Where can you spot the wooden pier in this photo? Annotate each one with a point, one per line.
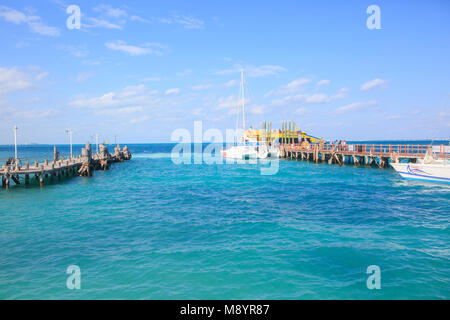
(296, 144)
(377, 155)
(59, 167)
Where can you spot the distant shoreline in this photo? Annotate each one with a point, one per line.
(143, 143)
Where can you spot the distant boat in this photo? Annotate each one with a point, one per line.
(248, 148)
(427, 169)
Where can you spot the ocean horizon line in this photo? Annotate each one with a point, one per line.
(171, 142)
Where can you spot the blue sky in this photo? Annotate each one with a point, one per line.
(140, 69)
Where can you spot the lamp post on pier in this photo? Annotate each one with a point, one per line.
(70, 132)
(15, 143)
(96, 142)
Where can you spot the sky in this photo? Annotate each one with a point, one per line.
(135, 71)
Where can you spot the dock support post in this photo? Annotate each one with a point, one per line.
(15, 178)
(316, 153)
(41, 177)
(27, 179)
(7, 182)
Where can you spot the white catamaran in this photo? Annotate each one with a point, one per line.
(248, 148)
(430, 168)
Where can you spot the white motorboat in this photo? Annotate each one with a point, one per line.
(427, 169)
(246, 152)
(240, 152)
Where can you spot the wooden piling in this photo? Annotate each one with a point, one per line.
(7, 181)
(366, 155)
(60, 167)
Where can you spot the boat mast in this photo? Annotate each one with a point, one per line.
(243, 99)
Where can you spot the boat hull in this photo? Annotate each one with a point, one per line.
(249, 152)
(423, 172)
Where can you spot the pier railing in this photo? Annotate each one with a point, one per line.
(82, 165)
(384, 150)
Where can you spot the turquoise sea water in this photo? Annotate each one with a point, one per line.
(151, 229)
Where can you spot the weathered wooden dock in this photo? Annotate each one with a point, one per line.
(58, 167)
(377, 155)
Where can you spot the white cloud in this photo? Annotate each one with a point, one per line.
(129, 96)
(100, 23)
(12, 15)
(394, 117)
(228, 102)
(91, 62)
(257, 110)
(108, 18)
(172, 91)
(22, 113)
(188, 22)
(76, 51)
(139, 19)
(23, 44)
(230, 83)
(198, 112)
(120, 111)
(301, 111)
(83, 76)
(263, 71)
(134, 104)
(323, 82)
(41, 76)
(296, 84)
(201, 87)
(137, 120)
(41, 28)
(11, 80)
(115, 18)
(133, 50)
(34, 22)
(291, 87)
(107, 10)
(151, 79)
(253, 71)
(372, 84)
(356, 106)
(184, 73)
(315, 98)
